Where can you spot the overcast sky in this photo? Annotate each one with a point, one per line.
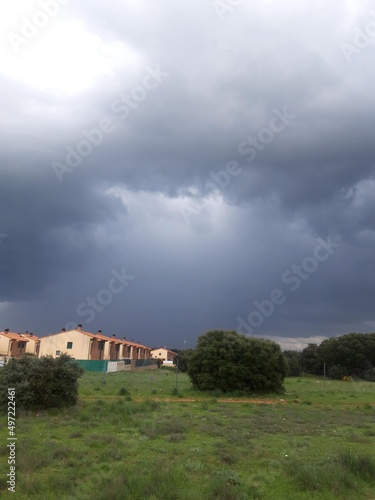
(173, 167)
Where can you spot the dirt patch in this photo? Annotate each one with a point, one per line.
(190, 400)
(220, 400)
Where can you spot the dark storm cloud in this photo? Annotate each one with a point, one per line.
(223, 83)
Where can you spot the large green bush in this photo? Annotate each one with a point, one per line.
(40, 383)
(228, 361)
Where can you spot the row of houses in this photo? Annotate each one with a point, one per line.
(79, 344)
(16, 344)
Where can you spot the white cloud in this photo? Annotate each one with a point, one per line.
(293, 343)
(66, 58)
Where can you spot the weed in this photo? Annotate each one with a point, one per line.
(337, 474)
(123, 392)
(229, 476)
(362, 465)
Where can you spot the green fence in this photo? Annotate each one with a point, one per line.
(101, 366)
(93, 366)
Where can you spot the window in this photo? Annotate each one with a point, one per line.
(57, 353)
(117, 348)
(101, 345)
(69, 345)
(21, 345)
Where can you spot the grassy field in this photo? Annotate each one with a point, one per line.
(133, 436)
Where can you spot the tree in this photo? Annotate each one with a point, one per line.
(352, 354)
(309, 359)
(293, 359)
(183, 359)
(229, 361)
(41, 383)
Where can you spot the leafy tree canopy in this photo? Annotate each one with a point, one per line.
(348, 355)
(228, 361)
(293, 360)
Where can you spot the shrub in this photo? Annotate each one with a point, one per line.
(337, 372)
(42, 383)
(228, 361)
(123, 392)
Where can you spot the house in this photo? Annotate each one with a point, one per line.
(34, 343)
(14, 344)
(163, 353)
(82, 345)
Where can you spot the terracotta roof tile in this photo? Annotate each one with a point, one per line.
(100, 336)
(14, 336)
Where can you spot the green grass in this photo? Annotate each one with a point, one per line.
(134, 436)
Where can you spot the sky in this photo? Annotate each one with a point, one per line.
(168, 168)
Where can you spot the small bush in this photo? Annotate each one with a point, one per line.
(42, 383)
(176, 392)
(229, 476)
(123, 392)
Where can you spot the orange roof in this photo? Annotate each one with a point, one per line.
(31, 337)
(14, 336)
(89, 334)
(100, 336)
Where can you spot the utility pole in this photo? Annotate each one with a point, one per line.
(176, 373)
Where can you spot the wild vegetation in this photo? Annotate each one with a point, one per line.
(152, 435)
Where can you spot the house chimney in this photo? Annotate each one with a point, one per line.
(63, 329)
(79, 327)
(31, 334)
(27, 331)
(114, 335)
(99, 331)
(6, 330)
(124, 338)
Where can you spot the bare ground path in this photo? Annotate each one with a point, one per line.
(191, 400)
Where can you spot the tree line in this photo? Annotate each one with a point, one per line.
(351, 355)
